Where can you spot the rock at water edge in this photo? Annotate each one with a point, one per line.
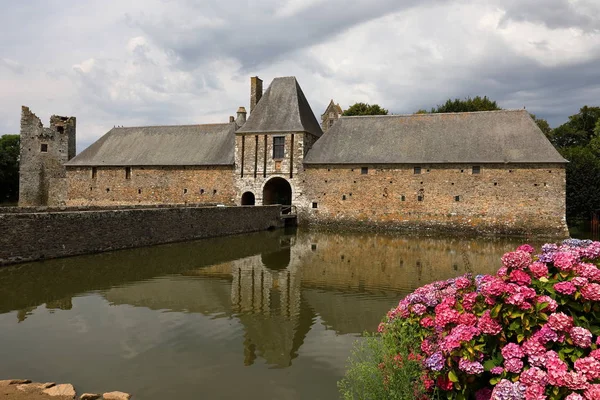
(64, 389)
(116, 396)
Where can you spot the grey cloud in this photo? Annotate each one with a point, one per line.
(12, 66)
(253, 34)
(554, 14)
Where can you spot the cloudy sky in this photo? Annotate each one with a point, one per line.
(142, 62)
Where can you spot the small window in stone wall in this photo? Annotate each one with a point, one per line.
(476, 170)
(214, 191)
(314, 204)
(278, 146)
(184, 191)
(364, 171)
(344, 197)
(94, 172)
(420, 198)
(201, 191)
(127, 172)
(417, 170)
(456, 198)
(402, 198)
(139, 191)
(44, 148)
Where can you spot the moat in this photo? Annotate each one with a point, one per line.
(270, 315)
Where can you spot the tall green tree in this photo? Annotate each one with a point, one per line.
(579, 130)
(365, 109)
(469, 104)
(543, 125)
(9, 168)
(583, 181)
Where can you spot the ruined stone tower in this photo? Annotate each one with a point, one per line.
(42, 174)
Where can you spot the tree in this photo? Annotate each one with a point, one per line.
(543, 125)
(365, 109)
(579, 130)
(469, 104)
(583, 181)
(9, 168)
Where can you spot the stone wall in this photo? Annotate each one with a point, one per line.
(34, 236)
(506, 199)
(42, 179)
(255, 164)
(150, 185)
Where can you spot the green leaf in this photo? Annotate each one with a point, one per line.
(452, 376)
(489, 364)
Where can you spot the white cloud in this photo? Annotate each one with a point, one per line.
(158, 62)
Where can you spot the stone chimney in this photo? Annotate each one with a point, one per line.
(256, 91)
(231, 119)
(241, 116)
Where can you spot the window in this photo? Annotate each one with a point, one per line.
(476, 169)
(44, 148)
(420, 198)
(402, 198)
(417, 170)
(331, 121)
(201, 191)
(278, 146)
(364, 170)
(127, 172)
(60, 129)
(94, 172)
(314, 204)
(344, 197)
(456, 198)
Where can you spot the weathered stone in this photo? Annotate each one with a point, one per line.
(14, 382)
(90, 396)
(121, 229)
(116, 396)
(42, 174)
(64, 389)
(31, 387)
(48, 385)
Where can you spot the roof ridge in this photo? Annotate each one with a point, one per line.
(431, 114)
(170, 126)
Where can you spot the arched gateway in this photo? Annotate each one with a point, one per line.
(248, 199)
(277, 191)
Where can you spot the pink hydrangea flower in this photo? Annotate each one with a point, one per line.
(581, 337)
(513, 365)
(564, 260)
(592, 392)
(516, 259)
(575, 381)
(552, 304)
(512, 350)
(535, 392)
(497, 371)
(470, 367)
(462, 282)
(534, 376)
(467, 319)
(579, 281)
(591, 291)
(574, 396)
(426, 322)
(565, 288)
(538, 270)
(589, 271)
(527, 248)
(588, 366)
(469, 300)
(489, 325)
(520, 277)
(560, 322)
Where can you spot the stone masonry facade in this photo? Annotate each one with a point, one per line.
(106, 186)
(501, 198)
(255, 164)
(42, 177)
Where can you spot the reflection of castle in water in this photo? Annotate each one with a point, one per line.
(276, 284)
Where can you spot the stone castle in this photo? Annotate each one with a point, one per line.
(483, 171)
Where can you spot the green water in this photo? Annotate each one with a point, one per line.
(269, 315)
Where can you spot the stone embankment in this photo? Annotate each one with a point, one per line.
(21, 389)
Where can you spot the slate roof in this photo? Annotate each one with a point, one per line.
(283, 108)
(476, 137)
(211, 144)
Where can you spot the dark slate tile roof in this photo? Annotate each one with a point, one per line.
(477, 137)
(283, 108)
(161, 145)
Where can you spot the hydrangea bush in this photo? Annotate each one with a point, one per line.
(529, 332)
